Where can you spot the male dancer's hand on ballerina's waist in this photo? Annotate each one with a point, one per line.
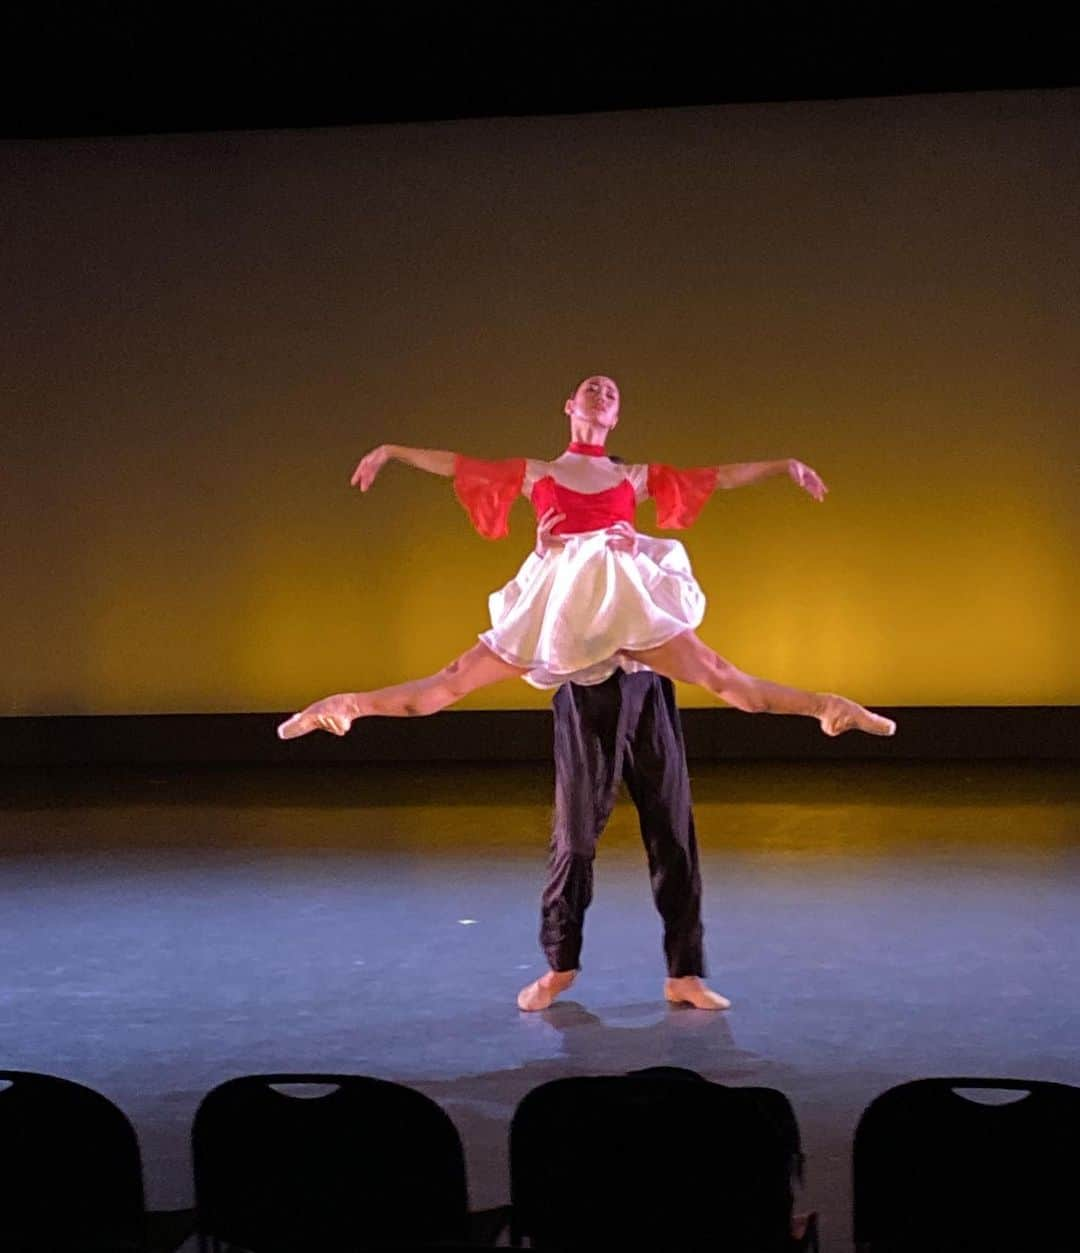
(546, 539)
(622, 538)
(621, 535)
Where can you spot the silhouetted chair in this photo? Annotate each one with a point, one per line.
(937, 1172)
(71, 1174)
(656, 1159)
(370, 1162)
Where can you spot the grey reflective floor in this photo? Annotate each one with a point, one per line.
(161, 931)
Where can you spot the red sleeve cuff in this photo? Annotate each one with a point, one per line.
(680, 495)
(486, 490)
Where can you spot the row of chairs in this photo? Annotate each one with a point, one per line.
(659, 1159)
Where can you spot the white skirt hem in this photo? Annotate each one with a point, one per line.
(539, 675)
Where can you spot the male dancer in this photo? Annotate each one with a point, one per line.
(624, 728)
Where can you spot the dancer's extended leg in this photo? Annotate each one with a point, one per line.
(689, 660)
(476, 668)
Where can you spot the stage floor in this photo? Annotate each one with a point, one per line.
(162, 930)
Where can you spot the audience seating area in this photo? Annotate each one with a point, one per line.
(658, 1159)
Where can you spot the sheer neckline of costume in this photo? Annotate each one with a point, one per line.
(586, 450)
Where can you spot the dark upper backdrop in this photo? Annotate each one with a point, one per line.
(204, 331)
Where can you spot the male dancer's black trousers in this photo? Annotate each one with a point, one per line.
(624, 728)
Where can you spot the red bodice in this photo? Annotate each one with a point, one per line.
(487, 490)
(585, 511)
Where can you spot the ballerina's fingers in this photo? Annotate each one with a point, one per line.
(370, 465)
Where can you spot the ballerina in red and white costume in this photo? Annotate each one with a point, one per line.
(595, 595)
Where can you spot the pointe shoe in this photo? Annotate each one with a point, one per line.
(841, 714)
(690, 990)
(304, 724)
(542, 992)
(332, 714)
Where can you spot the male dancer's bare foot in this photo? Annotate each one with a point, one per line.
(840, 714)
(334, 714)
(541, 993)
(691, 990)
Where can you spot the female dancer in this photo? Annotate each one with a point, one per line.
(600, 596)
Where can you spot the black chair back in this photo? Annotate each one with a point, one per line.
(653, 1160)
(70, 1171)
(370, 1162)
(937, 1171)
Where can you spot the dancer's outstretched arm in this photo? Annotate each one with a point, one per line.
(434, 461)
(743, 473)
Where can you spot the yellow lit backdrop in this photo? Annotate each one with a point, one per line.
(203, 334)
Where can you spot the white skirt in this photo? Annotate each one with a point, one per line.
(569, 614)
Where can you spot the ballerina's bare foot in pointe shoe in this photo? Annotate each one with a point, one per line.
(540, 993)
(334, 714)
(840, 714)
(691, 990)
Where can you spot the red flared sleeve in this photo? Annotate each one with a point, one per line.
(680, 495)
(487, 489)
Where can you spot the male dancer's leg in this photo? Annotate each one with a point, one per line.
(588, 752)
(654, 768)
(657, 778)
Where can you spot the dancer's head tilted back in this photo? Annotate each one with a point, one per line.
(593, 409)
